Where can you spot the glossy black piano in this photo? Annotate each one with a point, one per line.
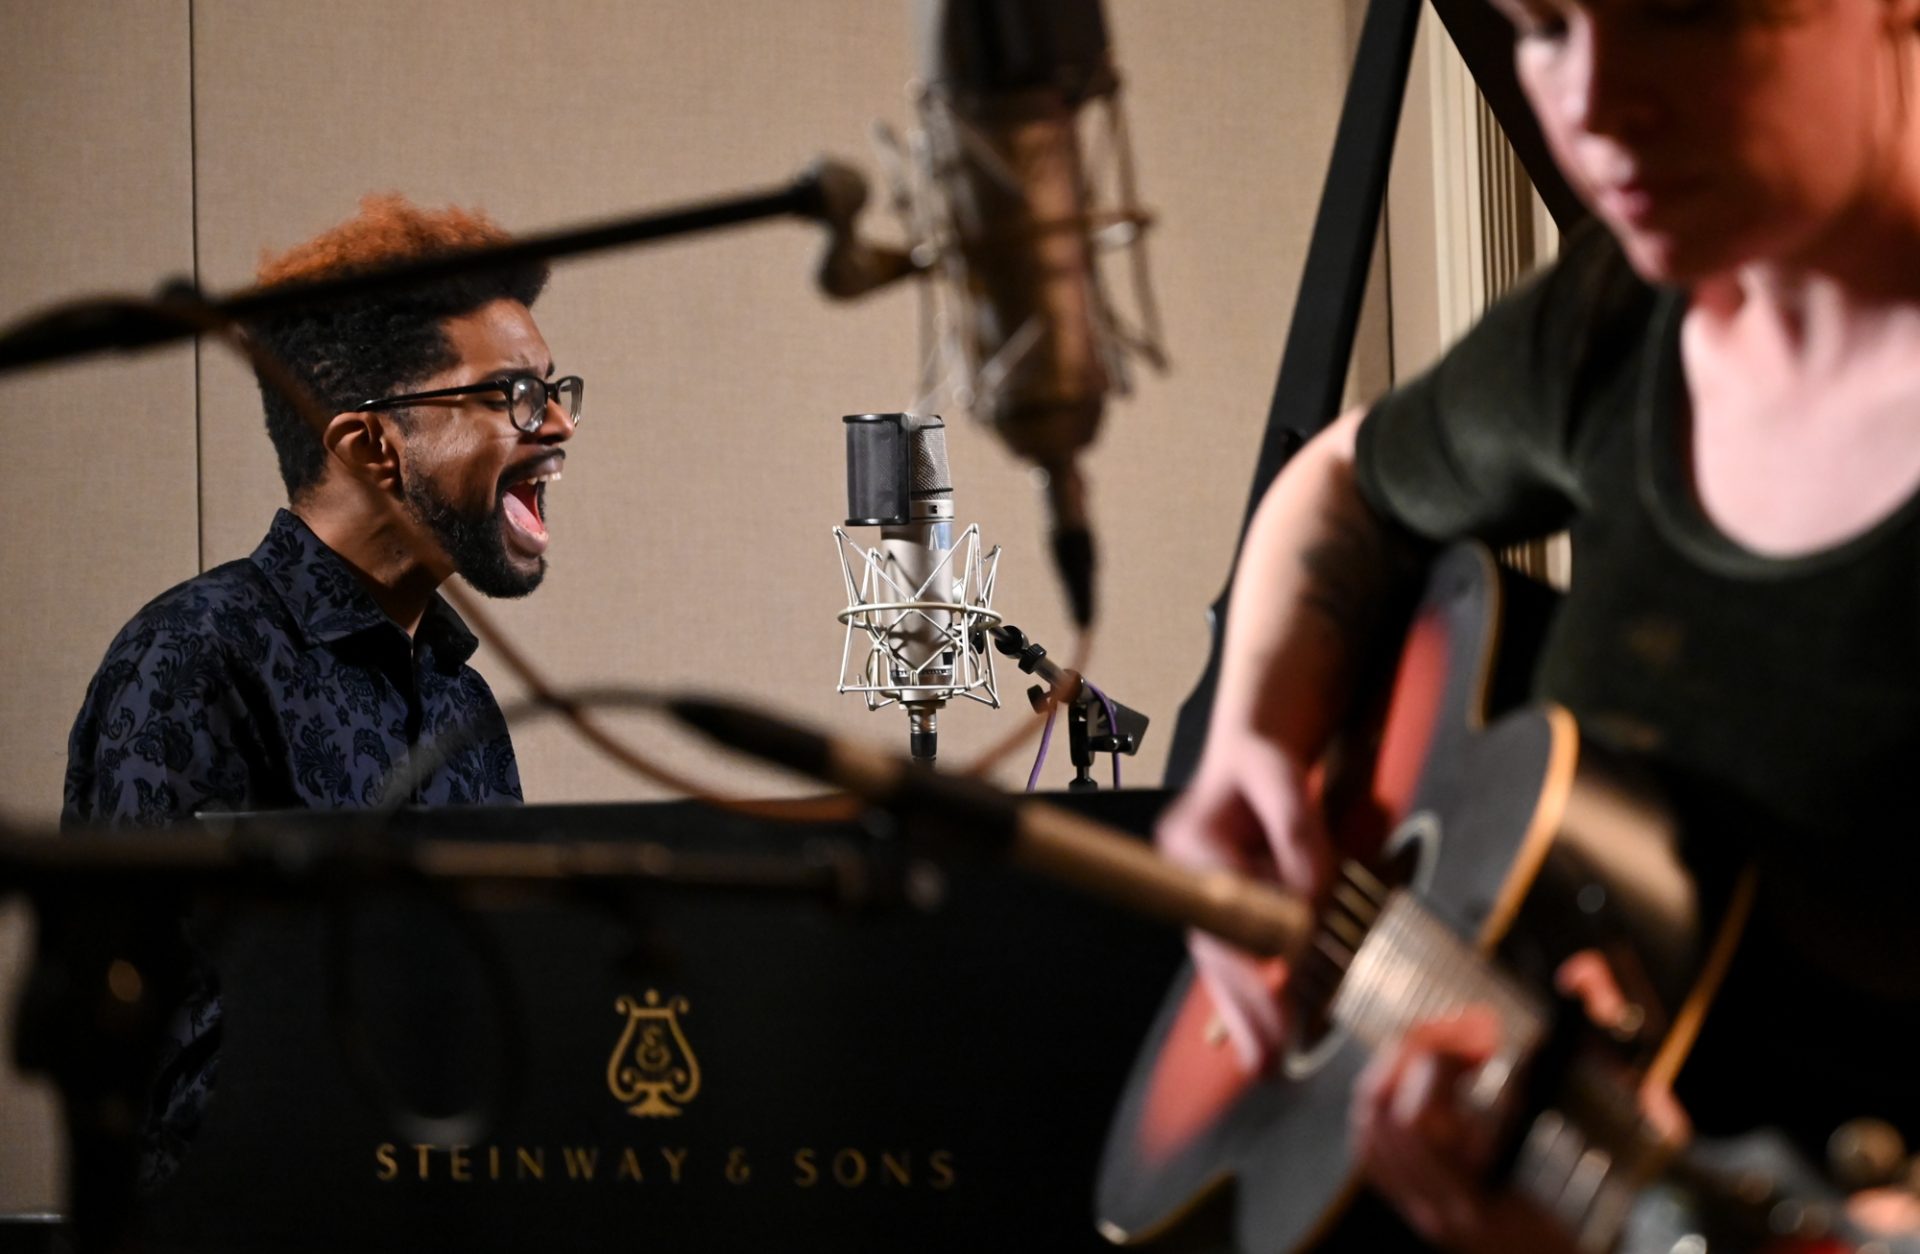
(681, 1068)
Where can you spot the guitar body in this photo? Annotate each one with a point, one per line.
(1509, 832)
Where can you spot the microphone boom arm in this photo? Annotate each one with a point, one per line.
(822, 193)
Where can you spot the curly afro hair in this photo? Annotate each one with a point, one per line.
(349, 352)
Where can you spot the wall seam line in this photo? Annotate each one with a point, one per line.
(199, 382)
(1386, 257)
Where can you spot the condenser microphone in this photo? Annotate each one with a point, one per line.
(1005, 213)
(1005, 81)
(918, 597)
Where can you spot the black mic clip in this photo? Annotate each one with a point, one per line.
(850, 266)
(1096, 723)
(1013, 642)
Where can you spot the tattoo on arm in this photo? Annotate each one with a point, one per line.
(1356, 575)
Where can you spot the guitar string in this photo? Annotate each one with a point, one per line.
(1363, 913)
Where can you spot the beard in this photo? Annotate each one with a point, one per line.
(475, 540)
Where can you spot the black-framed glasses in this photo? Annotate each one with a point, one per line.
(526, 397)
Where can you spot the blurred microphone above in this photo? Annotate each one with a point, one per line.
(1012, 213)
(919, 604)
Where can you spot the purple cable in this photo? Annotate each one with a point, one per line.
(1113, 725)
(1046, 738)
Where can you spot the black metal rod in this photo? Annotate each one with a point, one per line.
(91, 326)
(258, 862)
(1484, 39)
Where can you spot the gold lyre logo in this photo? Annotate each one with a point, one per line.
(653, 1067)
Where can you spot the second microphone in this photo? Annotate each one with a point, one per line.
(920, 598)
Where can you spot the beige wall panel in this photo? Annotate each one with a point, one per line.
(101, 502)
(691, 533)
(99, 488)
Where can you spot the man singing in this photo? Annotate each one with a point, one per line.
(308, 673)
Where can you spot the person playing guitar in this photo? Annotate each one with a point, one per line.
(1718, 395)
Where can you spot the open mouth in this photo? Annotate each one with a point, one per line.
(523, 503)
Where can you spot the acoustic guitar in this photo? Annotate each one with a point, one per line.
(1480, 853)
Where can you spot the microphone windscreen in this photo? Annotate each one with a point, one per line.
(929, 476)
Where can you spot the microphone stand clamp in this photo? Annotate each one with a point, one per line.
(1090, 728)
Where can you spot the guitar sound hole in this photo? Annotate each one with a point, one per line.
(1359, 892)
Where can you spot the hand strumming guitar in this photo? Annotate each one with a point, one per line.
(1248, 812)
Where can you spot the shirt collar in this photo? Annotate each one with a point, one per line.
(453, 641)
(328, 601)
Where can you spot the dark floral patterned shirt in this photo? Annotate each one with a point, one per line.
(272, 683)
